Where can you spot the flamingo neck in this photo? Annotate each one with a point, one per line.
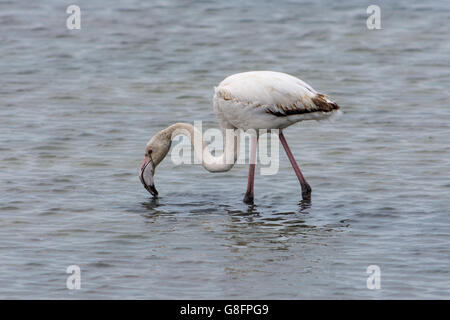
(221, 163)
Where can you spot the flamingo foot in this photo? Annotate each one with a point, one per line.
(248, 199)
(306, 192)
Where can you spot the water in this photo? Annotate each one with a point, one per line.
(77, 108)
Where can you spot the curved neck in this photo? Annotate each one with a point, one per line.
(211, 163)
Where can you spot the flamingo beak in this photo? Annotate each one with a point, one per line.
(146, 173)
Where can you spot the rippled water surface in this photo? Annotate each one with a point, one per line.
(77, 108)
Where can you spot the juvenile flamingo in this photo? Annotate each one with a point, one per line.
(250, 100)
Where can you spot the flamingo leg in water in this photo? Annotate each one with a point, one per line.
(306, 189)
(249, 195)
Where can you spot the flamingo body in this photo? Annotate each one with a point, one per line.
(268, 100)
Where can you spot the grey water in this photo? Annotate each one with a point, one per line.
(78, 106)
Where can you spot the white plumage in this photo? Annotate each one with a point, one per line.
(268, 100)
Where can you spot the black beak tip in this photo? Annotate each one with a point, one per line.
(153, 191)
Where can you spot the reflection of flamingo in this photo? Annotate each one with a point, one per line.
(249, 100)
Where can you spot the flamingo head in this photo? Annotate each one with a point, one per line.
(155, 151)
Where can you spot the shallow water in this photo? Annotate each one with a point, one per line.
(77, 108)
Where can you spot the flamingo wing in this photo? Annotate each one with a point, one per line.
(276, 93)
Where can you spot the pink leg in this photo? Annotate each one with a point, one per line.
(306, 189)
(251, 171)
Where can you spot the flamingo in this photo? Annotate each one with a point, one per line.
(249, 100)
